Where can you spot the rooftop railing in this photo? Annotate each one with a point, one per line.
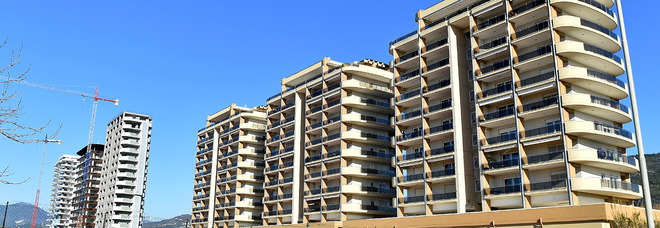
(403, 37)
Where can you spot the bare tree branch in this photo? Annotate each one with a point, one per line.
(6, 173)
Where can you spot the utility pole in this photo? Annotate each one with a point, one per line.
(5, 218)
(638, 131)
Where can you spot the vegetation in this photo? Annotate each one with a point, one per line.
(653, 166)
(622, 220)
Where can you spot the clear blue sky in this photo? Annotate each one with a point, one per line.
(180, 61)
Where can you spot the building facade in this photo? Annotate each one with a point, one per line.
(61, 195)
(124, 173)
(328, 145)
(545, 122)
(87, 184)
(229, 168)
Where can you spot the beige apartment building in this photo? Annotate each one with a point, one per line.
(545, 117)
(328, 147)
(229, 168)
(61, 196)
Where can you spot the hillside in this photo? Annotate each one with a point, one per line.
(653, 165)
(19, 215)
(176, 222)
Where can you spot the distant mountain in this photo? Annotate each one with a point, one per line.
(19, 215)
(653, 168)
(176, 222)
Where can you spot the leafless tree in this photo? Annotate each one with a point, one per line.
(5, 173)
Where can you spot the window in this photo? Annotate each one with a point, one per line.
(555, 148)
(448, 145)
(449, 166)
(471, 96)
(512, 181)
(477, 185)
(473, 117)
(510, 156)
(474, 139)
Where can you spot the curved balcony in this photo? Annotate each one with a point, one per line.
(594, 80)
(588, 31)
(591, 57)
(603, 159)
(606, 134)
(606, 187)
(588, 9)
(597, 106)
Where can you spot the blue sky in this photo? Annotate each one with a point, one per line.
(180, 61)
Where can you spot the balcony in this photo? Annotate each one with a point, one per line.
(410, 156)
(436, 65)
(440, 175)
(501, 165)
(411, 199)
(408, 95)
(366, 87)
(405, 37)
(597, 106)
(430, 47)
(442, 150)
(606, 187)
(591, 10)
(494, 92)
(538, 109)
(594, 80)
(604, 159)
(408, 115)
(588, 31)
(441, 196)
(410, 178)
(528, 11)
(489, 23)
(551, 129)
(441, 131)
(491, 48)
(409, 136)
(407, 56)
(511, 189)
(599, 132)
(550, 157)
(591, 56)
(407, 75)
(529, 35)
(497, 140)
(538, 187)
(332, 189)
(493, 71)
(533, 59)
(497, 118)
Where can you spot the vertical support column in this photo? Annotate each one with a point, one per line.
(214, 177)
(298, 159)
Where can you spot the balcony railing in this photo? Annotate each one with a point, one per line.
(605, 183)
(612, 129)
(495, 91)
(332, 154)
(498, 114)
(536, 53)
(316, 93)
(315, 141)
(409, 55)
(332, 120)
(599, 6)
(315, 109)
(380, 103)
(546, 102)
(313, 158)
(504, 63)
(409, 74)
(331, 189)
(403, 37)
(441, 106)
(412, 177)
(375, 136)
(441, 173)
(412, 199)
(549, 129)
(441, 128)
(375, 119)
(436, 44)
(378, 190)
(598, 27)
(436, 86)
(381, 172)
(501, 139)
(313, 209)
(505, 190)
(331, 137)
(490, 22)
(437, 64)
(548, 185)
(313, 192)
(501, 164)
(408, 95)
(333, 103)
(441, 196)
(334, 86)
(607, 77)
(411, 135)
(456, 13)
(331, 171)
(531, 29)
(493, 44)
(603, 52)
(377, 208)
(526, 7)
(409, 115)
(411, 156)
(609, 103)
(551, 156)
(386, 155)
(615, 156)
(442, 150)
(536, 79)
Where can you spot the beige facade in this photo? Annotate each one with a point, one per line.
(546, 119)
(229, 168)
(328, 146)
(62, 190)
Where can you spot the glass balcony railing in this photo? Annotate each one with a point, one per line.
(612, 129)
(549, 129)
(609, 103)
(551, 156)
(498, 114)
(411, 135)
(315, 109)
(436, 44)
(501, 139)
(501, 164)
(603, 52)
(492, 44)
(314, 175)
(313, 158)
(443, 83)
(386, 155)
(274, 96)
(441, 173)
(409, 95)
(548, 185)
(411, 156)
(313, 209)
(375, 119)
(380, 103)
(501, 64)
(605, 183)
(536, 79)
(526, 7)
(615, 156)
(378, 190)
(332, 154)
(332, 172)
(531, 29)
(544, 50)
(333, 103)
(599, 6)
(505, 190)
(409, 74)
(437, 64)
(331, 189)
(313, 192)
(316, 93)
(412, 177)
(605, 76)
(412, 199)
(403, 37)
(499, 89)
(331, 137)
(410, 115)
(381, 172)
(490, 22)
(315, 125)
(441, 128)
(315, 141)
(409, 55)
(442, 150)
(334, 86)
(441, 106)
(331, 120)
(598, 27)
(288, 149)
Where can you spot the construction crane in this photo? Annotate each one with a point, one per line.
(91, 130)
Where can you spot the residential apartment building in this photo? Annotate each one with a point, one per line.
(61, 196)
(546, 120)
(86, 188)
(229, 168)
(328, 145)
(124, 173)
